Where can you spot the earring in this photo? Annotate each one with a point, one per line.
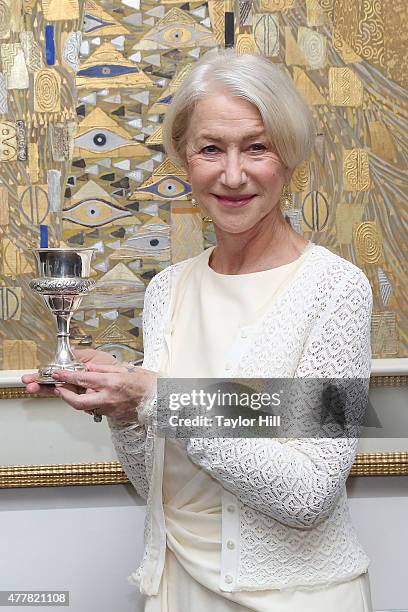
(195, 205)
(286, 198)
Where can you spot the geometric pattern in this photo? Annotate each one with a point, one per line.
(93, 132)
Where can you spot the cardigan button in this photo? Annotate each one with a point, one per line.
(228, 579)
(244, 334)
(230, 544)
(231, 508)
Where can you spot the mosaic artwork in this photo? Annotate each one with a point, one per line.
(39, 56)
(84, 88)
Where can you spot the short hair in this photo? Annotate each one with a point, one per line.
(286, 117)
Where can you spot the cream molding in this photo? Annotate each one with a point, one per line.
(385, 372)
(379, 367)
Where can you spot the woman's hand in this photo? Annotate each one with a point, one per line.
(116, 391)
(95, 357)
(87, 356)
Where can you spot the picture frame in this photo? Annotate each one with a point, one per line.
(91, 460)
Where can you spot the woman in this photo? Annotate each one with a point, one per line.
(241, 523)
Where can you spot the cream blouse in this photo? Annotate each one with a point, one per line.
(207, 315)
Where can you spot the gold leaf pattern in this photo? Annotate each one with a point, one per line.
(368, 243)
(300, 177)
(384, 334)
(246, 44)
(345, 87)
(356, 170)
(275, 5)
(19, 355)
(361, 25)
(47, 91)
(186, 233)
(60, 10)
(217, 17)
(4, 205)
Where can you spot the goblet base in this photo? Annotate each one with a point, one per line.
(46, 372)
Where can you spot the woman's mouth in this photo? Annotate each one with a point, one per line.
(234, 202)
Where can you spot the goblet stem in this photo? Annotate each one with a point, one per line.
(64, 354)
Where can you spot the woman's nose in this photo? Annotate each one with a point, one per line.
(233, 174)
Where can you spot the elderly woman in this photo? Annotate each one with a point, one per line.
(240, 523)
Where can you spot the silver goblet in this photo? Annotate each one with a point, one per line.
(63, 281)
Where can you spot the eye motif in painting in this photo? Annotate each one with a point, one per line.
(177, 30)
(107, 67)
(151, 241)
(149, 244)
(107, 70)
(101, 141)
(98, 22)
(94, 213)
(168, 182)
(167, 188)
(99, 135)
(179, 37)
(92, 24)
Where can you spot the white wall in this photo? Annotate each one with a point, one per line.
(89, 539)
(379, 509)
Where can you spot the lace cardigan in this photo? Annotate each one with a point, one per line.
(284, 502)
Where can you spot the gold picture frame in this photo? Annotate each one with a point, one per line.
(386, 374)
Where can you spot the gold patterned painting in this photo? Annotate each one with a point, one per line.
(39, 57)
(84, 88)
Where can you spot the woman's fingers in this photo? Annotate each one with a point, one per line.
(49, 390)
(73, 388)
(92, 356)
(85, 379)
(32, 385)
(35, 388)
(86, 401)
(29, 378)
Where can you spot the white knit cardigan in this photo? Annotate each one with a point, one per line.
(284, 502)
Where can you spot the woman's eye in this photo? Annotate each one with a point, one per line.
(257, 146)
(209, 149)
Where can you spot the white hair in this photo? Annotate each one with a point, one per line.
(286, 117)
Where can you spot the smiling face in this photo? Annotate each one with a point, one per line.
(235, 174)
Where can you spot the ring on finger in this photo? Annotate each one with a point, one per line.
(97, 417)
